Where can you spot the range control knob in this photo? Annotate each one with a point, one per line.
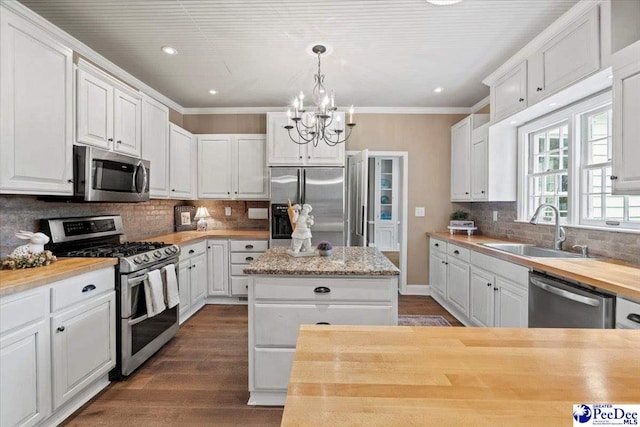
(168, 251)
(146, 258)
(157, 254)
(137, 260)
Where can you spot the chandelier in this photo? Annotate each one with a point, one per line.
(322, 123)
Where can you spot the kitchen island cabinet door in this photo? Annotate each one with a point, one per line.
(36, 115)
(83, 346)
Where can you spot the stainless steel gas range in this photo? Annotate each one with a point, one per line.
(138, 336)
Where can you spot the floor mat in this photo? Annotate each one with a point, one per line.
(422, 320)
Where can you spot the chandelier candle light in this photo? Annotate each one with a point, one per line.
(323, 122)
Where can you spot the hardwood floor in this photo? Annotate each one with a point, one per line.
(200, 377)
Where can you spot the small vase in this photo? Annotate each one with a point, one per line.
(324, 252)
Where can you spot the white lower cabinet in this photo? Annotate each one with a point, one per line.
(449, 276)
(243, 252)
(511, 304)
(458, 285)
(57, 345)
(217, 268)
(83, 346)
(481, 309)
(192, 278)
(278, 305)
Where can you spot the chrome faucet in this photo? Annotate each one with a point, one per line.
(560, 235)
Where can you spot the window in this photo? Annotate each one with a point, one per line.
(565, 161)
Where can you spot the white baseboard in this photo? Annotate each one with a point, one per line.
(417, 290)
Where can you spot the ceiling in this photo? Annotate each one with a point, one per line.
(254, 52)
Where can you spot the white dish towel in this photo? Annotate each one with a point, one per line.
(173, 295)
(154, 294)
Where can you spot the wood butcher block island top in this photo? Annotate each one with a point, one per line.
(14, 281)
(344, 261)
(610, 275)
(429, 376)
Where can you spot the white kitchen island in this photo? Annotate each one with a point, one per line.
(353, 286)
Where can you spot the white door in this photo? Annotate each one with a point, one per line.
(36, 110)
(127, 121)
(250, 163)
(328, 155)
(155, 145)
(184, 284)
(569, 56)
(509, 93)
(458, 285)
(358, 170)
(198, 278)
(94, 111)
(481, 302)
(217, 268)
(626, 128)
(215, 166)
(479, 162)
(511, 305)
(182, 163)
(281, 147)
(461, 160)
(83, 346)
(438, 272)
(25, 370)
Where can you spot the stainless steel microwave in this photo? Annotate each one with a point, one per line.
(104, 176)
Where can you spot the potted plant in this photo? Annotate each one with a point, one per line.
(460, 218)
(324, 248)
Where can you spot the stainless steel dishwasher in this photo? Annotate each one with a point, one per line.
(555, 303)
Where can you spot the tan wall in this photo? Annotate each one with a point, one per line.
(176, 118)
(225, 123)
(484, 110)
(427, 139)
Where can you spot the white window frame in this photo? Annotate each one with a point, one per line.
(572, 115)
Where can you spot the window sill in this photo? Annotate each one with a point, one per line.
(587, 227)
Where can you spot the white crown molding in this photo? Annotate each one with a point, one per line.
(90, 54)
(359, 110)
(480, 104)
(538, 41)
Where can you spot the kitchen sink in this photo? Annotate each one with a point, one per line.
(531, 250)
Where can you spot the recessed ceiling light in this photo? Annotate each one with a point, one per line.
(169, 50)
(443, 2)
(213, 91)
(438, 90)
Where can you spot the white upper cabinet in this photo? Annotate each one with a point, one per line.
(566, 58)
(36, 110)
(626, 121)
(182, 167)
(109, 114)
(283, 150)
(479, 163)
(155, 145)
(232, 167)
(461, 160)
(509, 93)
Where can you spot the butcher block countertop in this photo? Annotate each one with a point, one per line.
(344, 261)
(14, 281)
(185, 237)
(409, 376)
(607, 274)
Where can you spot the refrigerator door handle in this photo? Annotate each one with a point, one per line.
(304, 186)
(298, 188)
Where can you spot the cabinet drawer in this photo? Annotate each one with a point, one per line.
(437, 245)
(81, 288)
(272, 368)
(22, 308)
(244, 257)
(624, 310)
(278, 324)
(458, 252)
(506, 269)
(192, 249)
(249, 245)
(321, 289)
(238, 269)
(239, 285)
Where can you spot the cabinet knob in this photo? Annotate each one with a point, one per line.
(495, 289)
(173, 189)
(235, 192)
(300, 157)
(457, 252)
(249, 258)
(489, 284)
(60, 329)
(539, 89)
(308, 157)
(248, 246)
(521, 100)
(322, 290)
(69, 181)
(436, 244)
(119, 142)
(466, 192)
(191, 251)
(194, 266)
(110, 139)
(89, 288)
(482, 192)
(443, 262)
(446, 263)
(613, 177)
(228, 192)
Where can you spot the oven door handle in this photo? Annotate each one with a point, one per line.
(137, 320)
(137, 280)
(565, 294)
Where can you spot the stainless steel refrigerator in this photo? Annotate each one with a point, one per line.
(321, 187)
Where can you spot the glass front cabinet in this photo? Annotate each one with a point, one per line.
(386, 204)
